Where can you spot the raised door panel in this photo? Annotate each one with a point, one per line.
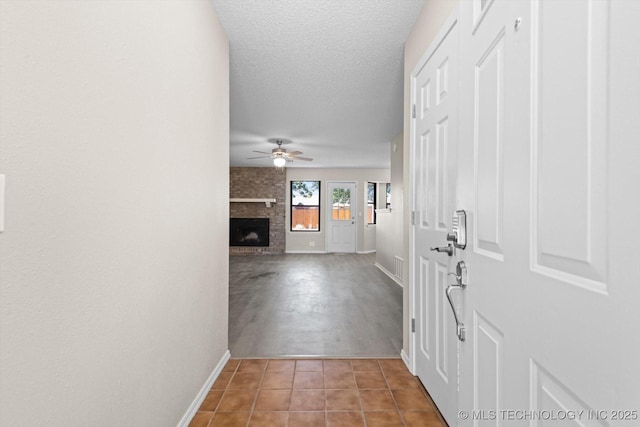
(556, 404)
(441, 172)
(488, 359)
(424, 194)
(488, 150)
(443, 326)
(424, 306)
(569, 142)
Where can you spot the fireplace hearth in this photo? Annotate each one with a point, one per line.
(249, 232)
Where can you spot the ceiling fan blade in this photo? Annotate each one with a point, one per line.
(259, 157)
(295, 153)
(261, 152)
(306, 159)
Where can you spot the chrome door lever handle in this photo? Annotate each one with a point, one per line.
(448, 249)
(460, 329)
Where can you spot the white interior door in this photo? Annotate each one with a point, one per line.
(549, 174)
(341, 216)
(434, 160)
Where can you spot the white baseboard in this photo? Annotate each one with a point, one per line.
(405, 359)
(193, 408)
(388, 273)
(366, 252)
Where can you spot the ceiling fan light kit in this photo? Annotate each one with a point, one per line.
(280, 155)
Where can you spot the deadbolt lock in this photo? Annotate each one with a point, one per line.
(458, 235)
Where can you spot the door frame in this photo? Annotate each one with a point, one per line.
(452, 20)
(329, 214)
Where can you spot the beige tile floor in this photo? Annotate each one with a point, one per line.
(319, 392)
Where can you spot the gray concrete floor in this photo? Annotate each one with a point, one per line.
(312, 305)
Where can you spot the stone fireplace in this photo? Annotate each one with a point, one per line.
(248, 184)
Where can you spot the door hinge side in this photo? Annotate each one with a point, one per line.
(413, 325)
(413, 217)
(413, 113)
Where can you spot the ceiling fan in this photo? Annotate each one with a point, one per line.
(280, 155)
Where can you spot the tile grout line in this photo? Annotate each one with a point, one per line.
(364, 419)
(224, 392)
(293, 379)
(255, 399)
(393, 397)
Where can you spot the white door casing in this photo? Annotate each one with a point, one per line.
(548, 173)
(341, 230)
(433, 181)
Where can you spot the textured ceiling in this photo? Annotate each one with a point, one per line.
(326, 74)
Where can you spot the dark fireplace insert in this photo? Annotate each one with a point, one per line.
(249, 232)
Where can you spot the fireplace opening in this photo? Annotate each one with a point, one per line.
(249, 232)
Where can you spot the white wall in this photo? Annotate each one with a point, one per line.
(366, 234)
(114, 260)
(433, 16)
(389, 238)
(385, 241)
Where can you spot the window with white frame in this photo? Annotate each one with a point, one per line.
(372, 189)
(305, 205)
